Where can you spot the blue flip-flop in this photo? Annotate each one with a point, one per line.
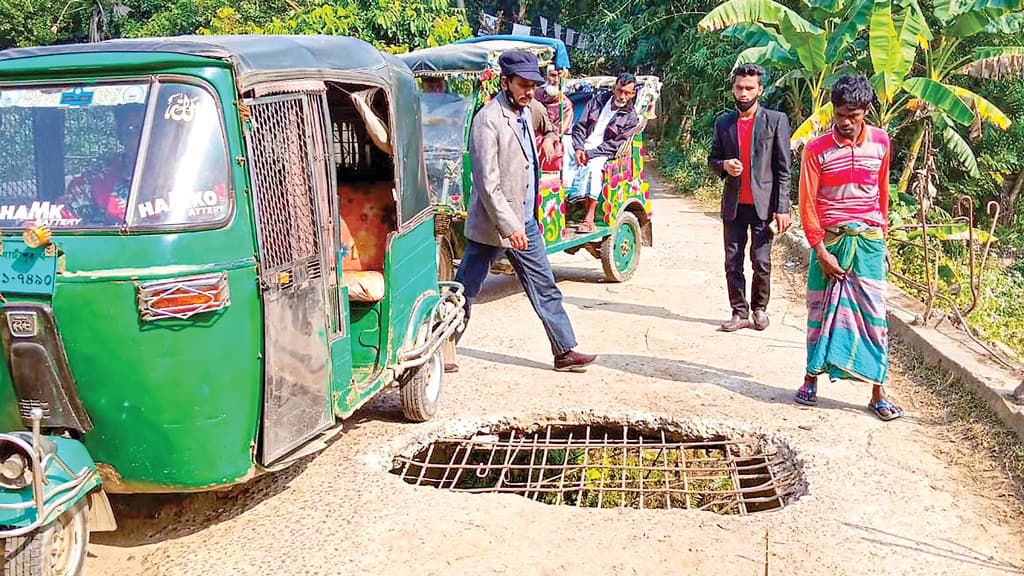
(807, 395)
(894, 411)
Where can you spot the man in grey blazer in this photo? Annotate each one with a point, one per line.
(750, 151)
(502, 214)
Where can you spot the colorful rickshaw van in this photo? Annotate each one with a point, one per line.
(214, 249)
(470, 74)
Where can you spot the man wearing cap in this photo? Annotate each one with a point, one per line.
(502, 215)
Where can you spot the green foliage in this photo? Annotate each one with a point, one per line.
(40, 22)
(684, 162)
(392, 25)
(161, 18)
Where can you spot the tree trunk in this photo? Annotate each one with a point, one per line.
(1006, 216)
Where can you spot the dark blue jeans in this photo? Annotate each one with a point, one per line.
(534, 273)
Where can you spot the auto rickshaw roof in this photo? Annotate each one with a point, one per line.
(561, 59)
(475, 55)
(253, 57)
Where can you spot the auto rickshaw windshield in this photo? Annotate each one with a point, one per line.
(445, 112)
(147, 154)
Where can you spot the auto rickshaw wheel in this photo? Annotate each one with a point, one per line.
(55, 550)
(445, 260)
(620, 250)
(421, 391)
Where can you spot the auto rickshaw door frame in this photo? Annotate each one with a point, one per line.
(289, 211)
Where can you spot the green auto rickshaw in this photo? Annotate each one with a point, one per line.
(468, 71)
(213, 250)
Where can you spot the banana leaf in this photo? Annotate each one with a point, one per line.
(995, 62)
(808, 45)
(886, 52)
(845, 33)
(812, 126)
(940, 96)
(755, 34)
(986, 110)
(772, 54)
(763, 11)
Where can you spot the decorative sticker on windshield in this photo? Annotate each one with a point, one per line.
(76, 97)
(181, 107)
(197, 204)
(43, 213)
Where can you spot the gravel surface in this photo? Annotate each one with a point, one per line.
(883, 498)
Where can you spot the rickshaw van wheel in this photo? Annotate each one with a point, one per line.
(56, 550)
(421, 391)
(620, 250)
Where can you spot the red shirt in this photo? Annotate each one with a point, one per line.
(745, 132)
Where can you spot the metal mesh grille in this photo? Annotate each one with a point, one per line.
(610, 468)
(280, 151)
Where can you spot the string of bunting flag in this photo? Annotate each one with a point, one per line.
(490, 25)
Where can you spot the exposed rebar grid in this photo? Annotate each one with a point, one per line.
(610, 467)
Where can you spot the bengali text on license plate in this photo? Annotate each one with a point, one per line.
(27, 271)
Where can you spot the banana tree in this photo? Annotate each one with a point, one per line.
(934, 97)
(810, 54)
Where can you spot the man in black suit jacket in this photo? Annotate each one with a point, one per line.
(751, 152)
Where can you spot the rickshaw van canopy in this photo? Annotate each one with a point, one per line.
(474, 58)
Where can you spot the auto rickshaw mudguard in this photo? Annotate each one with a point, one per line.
(442, 313)
(69, 476)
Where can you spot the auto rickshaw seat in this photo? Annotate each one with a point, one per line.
(367, 216)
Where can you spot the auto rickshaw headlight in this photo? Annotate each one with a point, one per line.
(16, 470)
(36, 236)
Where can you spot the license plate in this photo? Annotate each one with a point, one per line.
(25, 270)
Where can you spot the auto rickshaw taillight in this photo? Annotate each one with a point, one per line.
(183, 297)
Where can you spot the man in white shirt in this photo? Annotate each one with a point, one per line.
(608, 120)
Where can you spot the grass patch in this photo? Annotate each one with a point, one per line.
(976, 439)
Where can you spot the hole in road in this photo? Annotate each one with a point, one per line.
(613, 466)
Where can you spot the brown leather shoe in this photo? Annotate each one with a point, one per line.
(737, 323)
(760, 318)
(450, 367)
(573, 361)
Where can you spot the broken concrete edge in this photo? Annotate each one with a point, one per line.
(978, 372)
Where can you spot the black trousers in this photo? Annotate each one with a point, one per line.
(747, 224)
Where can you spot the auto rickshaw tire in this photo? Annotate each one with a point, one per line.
(620, 250)
(31, 554)
(420, 392)
(445, 260)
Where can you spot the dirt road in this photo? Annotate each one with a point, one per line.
(883, 497)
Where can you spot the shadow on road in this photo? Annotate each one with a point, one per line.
(636, 309)
(953, 551)
(500, 286)
(681, 371)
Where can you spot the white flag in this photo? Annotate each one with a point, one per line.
(582, 44)
(520, 30)
(558, 30)
(543, 26)
(570, 35)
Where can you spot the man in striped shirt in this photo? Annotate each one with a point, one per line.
(844, 201)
